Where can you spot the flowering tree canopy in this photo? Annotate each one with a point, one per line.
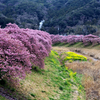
(20, 49)
(72, 39)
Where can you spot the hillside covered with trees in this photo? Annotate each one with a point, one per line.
(61, 16)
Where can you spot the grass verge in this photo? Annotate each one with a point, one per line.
(78, 45)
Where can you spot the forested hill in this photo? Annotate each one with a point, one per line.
(61, 16)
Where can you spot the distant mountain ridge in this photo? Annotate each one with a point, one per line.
(60, 15)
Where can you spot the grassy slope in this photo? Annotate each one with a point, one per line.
(90, 69)
(2, 98)
(79, 45)
(55, 82)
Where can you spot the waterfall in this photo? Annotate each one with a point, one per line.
(40, 24)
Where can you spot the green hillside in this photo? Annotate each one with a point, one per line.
(59, 14)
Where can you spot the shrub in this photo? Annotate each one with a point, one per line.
(72, 39)
(90, 39)
(71, 56)
(56, 38)
(20, 49)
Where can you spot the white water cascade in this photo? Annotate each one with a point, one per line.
(40, 24)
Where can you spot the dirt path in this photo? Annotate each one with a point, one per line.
(90, 69)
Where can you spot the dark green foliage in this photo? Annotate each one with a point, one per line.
(87, 12)
(4, 21)
(21, 8)
(53, 30)
(62, 77)
(33, 95)
(56, 13)
(2, 82)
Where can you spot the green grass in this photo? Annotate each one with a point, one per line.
(64, 78)
(55, 82)
(2, 98)
(77, 45)
(69, 45)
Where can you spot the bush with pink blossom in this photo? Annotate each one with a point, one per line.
(90, 39)
(71, 39)
(20, 49)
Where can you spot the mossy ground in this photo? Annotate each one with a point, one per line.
(55, 82)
